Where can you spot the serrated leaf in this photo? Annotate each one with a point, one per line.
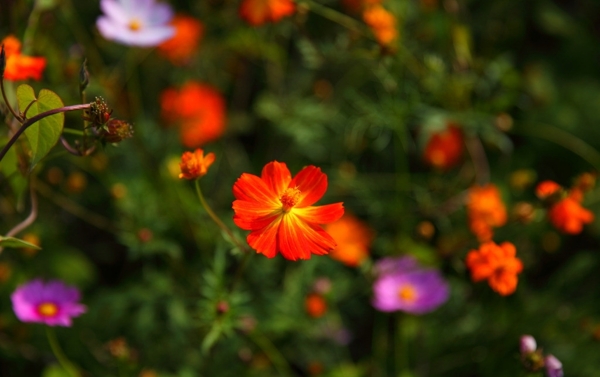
(16, 243)
(44, 134)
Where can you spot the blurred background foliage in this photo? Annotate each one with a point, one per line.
(520, 78)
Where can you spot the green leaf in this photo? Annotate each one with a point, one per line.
(16, 243)
(44, 134)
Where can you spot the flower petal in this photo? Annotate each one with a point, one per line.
(320, 214)
(298, 239)
(253, 215)
(277, 176)
(115, 11)
(264, 241)
(312, 184)
(252, 188)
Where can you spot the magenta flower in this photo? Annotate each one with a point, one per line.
(53, 303)
(527, 344)
(408, 287)
(554, 367)
(136, 22)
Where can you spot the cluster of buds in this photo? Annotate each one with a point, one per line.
(534, 360)
(108, 130)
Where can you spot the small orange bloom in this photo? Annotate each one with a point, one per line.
(382, 23)
(356, 6)
(353, 239)
(198, 109)
(497, 264)
(568, 215)
(279, 211)
(195, 164)
(485, 210)
(444, 149)
(258, 12)
(20, 67)
(180, 48)
(545, 189)
(315, 305)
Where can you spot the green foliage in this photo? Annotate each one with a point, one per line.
(45, 133)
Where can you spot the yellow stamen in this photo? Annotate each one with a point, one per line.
(290, 198)
(407, 293)
(135, 25)
(47, 309)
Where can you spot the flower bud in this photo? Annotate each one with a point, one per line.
(553, 366)
(527, 344)
(115, 131)
(99, 112)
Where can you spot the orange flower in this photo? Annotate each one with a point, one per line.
(258, 12)
(194, 164)
(198, 109)
(485, 210)
(497, 264)
(353, 238)
(545, 189)
(444, 149)
(20, 67)
(568, 215)
(279, 211)
(315, 305)
(180, 48)
(356, 6)
(382, 23)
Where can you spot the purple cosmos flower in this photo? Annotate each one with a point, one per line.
(553, 366)
(136, 22)
(53, 303)
(527, 344)
(404, 285)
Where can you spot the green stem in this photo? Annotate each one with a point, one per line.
(216, 219)
(401, 346)
(64, 362)
(32, 24)
(278, 360)
(12, 111)
(32, 120)
(335, 16)
(72, 131)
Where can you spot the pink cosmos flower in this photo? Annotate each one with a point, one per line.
(404, 285)
(53, 303)
(136, 22)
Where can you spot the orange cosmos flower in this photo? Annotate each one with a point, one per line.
(568, 216)
(497, 264)
(180, 48)
(20, 67)
(545, 189)
(195, 164)
(315, 305)
(258, 12)
(485, 210)
(279, 211)
(444, 149)
(353, 239)
(198, 109)
(382, 23)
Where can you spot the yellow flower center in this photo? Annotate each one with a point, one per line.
(407, 293)
(290, 198)
(47, 309)
(135, 25)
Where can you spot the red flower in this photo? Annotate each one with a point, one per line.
(382, 23)
(444, 149)
(195, 164)
(258, 12)
(568, 215)
(545, 189)
(180, 48)
(198, 109)
(279, 211)
(497, 264)
(20, 67)
(315, 305)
